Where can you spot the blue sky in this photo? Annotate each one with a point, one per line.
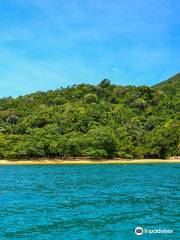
(46, 44)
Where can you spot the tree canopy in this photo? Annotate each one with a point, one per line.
(102, 121)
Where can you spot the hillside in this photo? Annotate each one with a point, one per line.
(170, 86)
(102, 121)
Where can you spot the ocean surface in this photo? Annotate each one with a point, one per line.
(86, 202)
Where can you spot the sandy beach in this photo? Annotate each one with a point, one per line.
(88, 161)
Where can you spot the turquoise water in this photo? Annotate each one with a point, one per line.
(86, 202)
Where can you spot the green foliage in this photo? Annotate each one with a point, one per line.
(102, 121)
(105, 83)
(90, 98)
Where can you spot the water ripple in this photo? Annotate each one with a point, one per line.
(88, 202)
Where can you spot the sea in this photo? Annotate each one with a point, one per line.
(90, 202)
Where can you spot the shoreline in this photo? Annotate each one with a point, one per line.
(87, 161)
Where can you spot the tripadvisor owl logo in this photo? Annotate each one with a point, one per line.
(139, 231)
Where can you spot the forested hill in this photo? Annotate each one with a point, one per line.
(171, 86)
(102, 121)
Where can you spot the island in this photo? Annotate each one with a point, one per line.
(92, 124)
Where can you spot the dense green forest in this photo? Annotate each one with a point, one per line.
(102, 121)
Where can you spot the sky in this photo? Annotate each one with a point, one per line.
(48, 44)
